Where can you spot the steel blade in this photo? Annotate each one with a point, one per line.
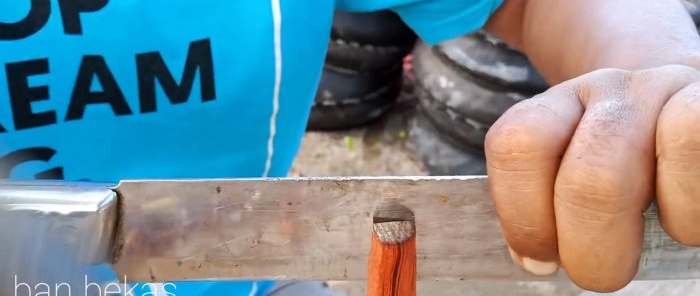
(319, 228)
(55, 234)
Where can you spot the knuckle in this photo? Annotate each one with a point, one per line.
(609, 118)
(509, 139)
(518, 132)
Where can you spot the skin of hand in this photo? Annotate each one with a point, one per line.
(573, 169)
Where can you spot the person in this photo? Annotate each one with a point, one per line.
(108, 90)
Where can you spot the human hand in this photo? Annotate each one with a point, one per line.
(594, 152)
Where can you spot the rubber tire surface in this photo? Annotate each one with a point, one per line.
(363, 58)
(481, 56)
(440, 155)
(368, 42)
(346, 100)
(460, 108)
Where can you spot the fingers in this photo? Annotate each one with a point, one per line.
(523, 150)
(603, 186)
(678, 166)
(571, 185)
(606, 178)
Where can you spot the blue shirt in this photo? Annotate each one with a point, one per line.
(120, 89)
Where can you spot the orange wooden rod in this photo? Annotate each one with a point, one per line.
(392, 260)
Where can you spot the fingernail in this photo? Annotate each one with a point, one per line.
(533, 266)
(538, 267)
(515, 257)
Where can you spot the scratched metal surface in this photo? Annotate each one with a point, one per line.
(475, 288)
(319, 228)
(636, 288)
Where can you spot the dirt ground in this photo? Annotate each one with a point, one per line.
(380, 148)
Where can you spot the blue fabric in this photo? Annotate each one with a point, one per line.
(433, 20)
(246, 288)
(107, 90)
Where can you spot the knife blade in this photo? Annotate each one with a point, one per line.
(317, 228)
(311, 228)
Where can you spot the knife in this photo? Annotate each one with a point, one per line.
(313, 228)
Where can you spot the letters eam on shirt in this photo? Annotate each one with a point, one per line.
(151, 70)
(171, 88)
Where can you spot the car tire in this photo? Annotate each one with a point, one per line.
(347, 100)
(483, 58)
(462, 108)
(440, 154)
(368, 42)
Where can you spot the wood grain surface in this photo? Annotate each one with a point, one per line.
(392, 264)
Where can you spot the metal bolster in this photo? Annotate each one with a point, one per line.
(55, 233)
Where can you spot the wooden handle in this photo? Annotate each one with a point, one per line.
(392, 260)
